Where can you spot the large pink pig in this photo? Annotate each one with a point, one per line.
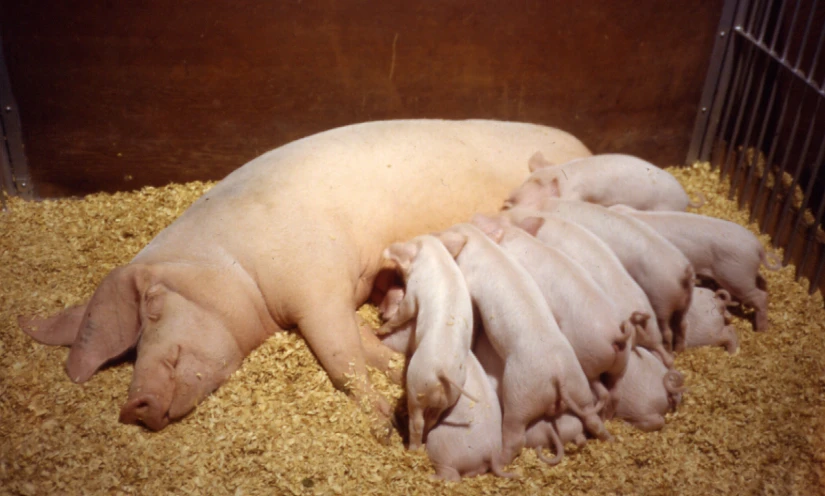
(604, 267)
(437, 297)
(661, 270)
(646, 391)
(719, 249)
(707, 321)
(291, 239)
(588, 318)
(464, 443)
(540, 370)
(607, 179)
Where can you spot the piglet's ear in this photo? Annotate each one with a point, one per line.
(453, 241)
(402, 254)
(531, 224)
(493, 227)
(111, 323)
(537, 161)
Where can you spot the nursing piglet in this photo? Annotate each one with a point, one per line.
(401, 338)
(465, 441)
(707, 320)
(646, 391)
(565, 428)
(436, 296)
(542, 433)
(541, 375)
(661, 270)
(586, 315)
(604, 267)
(607, 179)
(719, 249)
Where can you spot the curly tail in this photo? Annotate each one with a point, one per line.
(572, 405)
(451, 382)
(628, 330)
(499, 470)
(556, 443)
(702, 201)
(639, 319)
(771, 261)
(725, 297)
(674, 382)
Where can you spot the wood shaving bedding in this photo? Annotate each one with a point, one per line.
(750, 423)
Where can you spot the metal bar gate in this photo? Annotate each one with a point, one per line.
(761, 121)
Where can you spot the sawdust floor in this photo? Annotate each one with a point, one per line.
(750, 424)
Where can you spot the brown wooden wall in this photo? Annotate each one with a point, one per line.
(115, 95)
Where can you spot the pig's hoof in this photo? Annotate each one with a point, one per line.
(381, 430)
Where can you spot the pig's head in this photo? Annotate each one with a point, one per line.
(544, 182)
(184, 345)
(183, 354)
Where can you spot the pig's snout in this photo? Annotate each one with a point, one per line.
(145, 409)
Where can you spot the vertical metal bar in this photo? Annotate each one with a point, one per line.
(769, 164)
(786, 205)
(805, 36)
(820, 267)
(763, 129)
(743, 100)
(781, 172)
(740, 165)
(737, 94)
(15, 165)
(798, 171)
(715, 85)
(809, 240)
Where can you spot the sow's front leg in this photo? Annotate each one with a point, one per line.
(330, 327)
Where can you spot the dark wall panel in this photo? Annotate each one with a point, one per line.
(115, 95)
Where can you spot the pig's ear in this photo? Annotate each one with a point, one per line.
(402, 254)
(553, 187)
(111, 323)
(60, 329)
(493, 227)
(537, 161)
(453, 241)
(531, 224)
(486, 223)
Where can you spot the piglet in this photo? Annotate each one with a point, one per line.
(464, 442)
(707, 320)
(543, 432)
(541, 375)
(718, 249)
(402, 337)
(661, 270)
(586, 315)
(604, 267)
(606, 180)
(437, 297)
(646, 392)
(559, 431)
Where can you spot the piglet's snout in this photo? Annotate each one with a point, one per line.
(145, 409)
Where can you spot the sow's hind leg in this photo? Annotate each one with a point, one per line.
(328, 323)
